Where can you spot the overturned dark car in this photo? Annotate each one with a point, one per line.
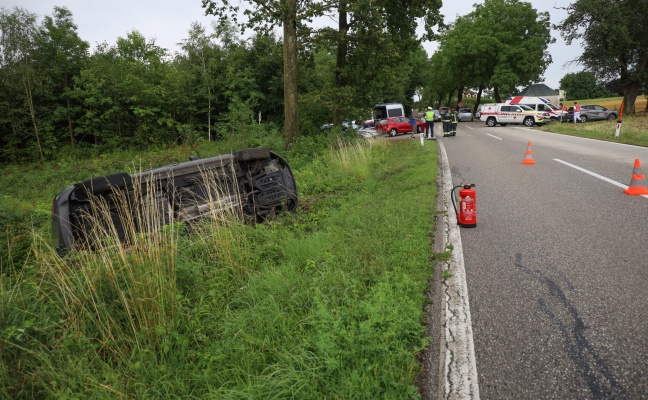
(253, 184)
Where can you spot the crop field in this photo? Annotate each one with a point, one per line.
(614, 102)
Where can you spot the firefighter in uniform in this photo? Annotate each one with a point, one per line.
(454, 122)
(446, 118)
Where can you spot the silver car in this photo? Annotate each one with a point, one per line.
(465, 114)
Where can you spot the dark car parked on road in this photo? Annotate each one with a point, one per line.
(592, 112)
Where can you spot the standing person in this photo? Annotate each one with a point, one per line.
(454, 122)
(413, 123)
(446, 118)
(429, 123)
(577, 111)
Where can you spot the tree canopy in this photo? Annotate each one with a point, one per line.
(614, 36)
(501, 44)
(582, 85)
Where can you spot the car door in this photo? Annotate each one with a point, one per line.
(395, 123)
(512, 115)
(407, 126)
(598, 112)
(590, 112)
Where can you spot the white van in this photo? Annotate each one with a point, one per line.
(537, 103)
(387, 110)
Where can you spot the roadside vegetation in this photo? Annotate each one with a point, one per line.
(634, 128)
(327, 302)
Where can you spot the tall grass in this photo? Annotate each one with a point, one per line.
(323, 303)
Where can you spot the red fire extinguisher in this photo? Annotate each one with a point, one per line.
(467, 212)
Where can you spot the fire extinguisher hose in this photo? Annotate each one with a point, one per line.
(452, 198)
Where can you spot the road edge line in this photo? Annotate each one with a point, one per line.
(457, 358)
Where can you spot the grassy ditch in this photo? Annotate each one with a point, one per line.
(324, 303)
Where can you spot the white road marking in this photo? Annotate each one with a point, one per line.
(493, 136)
(457, 347)
(594, 174)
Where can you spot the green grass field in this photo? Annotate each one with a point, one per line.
(327, 302)
(634, 128)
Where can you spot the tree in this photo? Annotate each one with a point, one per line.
(18, 36)
(202, 54)
(265, 15)
(501, 44)
(364, 26)
(582, 85)
(614, 36)
(59, 56)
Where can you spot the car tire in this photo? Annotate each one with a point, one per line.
(529, 122)
(393, 132)
(491, 122)
(583, 118)
(612, 117)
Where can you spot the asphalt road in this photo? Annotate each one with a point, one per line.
(557, 267)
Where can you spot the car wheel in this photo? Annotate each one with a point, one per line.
(583, 118)
(612, 117)
(528, 121)
(491, 122)
(393, 132)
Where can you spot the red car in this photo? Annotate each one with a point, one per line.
(398, 125)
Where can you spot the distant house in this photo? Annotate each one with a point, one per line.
(542, 90)
(469, 94)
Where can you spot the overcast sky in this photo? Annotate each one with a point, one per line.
(168, 21)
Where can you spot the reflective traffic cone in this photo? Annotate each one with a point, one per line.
(528, 157)
(638, 181)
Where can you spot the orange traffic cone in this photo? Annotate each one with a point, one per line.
(638, 181)
(528, 157)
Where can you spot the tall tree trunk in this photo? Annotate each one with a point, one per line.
(290, 71)
(496, 94)
(459, 95)
(69, 113)
(478, 100)
(342, 48)
(32, 113)
(630, 91)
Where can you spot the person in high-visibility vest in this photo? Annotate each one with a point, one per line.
(454, 122)
(577, 111)
(446, 118)
(429, 123)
